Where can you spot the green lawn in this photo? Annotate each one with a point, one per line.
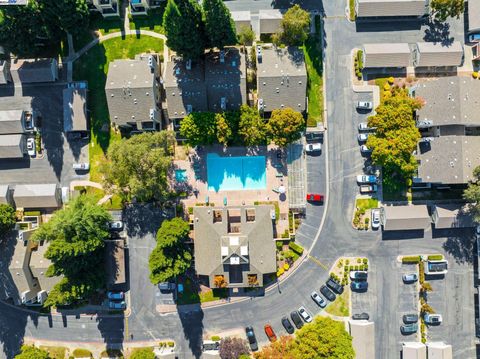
(313, 60)
(366, 203)
(152, 22)
(115, 202)
(55, 352)
(93, 67)
(341, 306)
(191, 295)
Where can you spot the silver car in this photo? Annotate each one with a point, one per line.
(375, 218)
(304, 314)
(410, 278)
(318, 299)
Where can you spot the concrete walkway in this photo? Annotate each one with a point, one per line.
(74, 184)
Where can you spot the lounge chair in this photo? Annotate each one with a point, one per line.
(224, 201)
(207, 200)
(275, 190)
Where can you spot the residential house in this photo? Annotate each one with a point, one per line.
(473, 17)
(34, 70)
(414, 350)
(439, 350)
(389, 9)
(435, 54)
(234, 243)
(108, 8)
(141, 7)
(133, 93)
(5, 76)
(385, 55)
(12, 122)
(115, 264)
(242, 19)
(451, 215)
(363, 338)
(12, 146)
(281, 79)
(75, 110)
(37, 196)
(408, 217)
(270, 20)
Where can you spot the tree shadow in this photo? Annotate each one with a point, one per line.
(438, 32)
(143, 219)
(461, 246)
(112, 330)
(191, 318)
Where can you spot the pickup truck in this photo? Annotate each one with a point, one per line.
(367, 188)
(366, 179)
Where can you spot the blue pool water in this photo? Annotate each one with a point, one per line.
(181, 175)
(236, 173)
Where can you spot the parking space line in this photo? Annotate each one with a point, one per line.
(317, 262)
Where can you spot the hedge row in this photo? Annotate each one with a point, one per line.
(411, 259)
(435, 257)
(296, 248)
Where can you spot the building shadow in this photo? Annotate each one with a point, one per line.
(112, 330)
(143, 219)
(191, 318)
(460, 247)
(364, 25)
(403, 234)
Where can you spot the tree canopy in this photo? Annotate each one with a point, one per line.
(472, 195)
(199, 128)
(142, 353)
(442, 9)
(171, 256)
(31, 352)
(251, 127)
(7, 219)
(219, 25)
(76, 237)
(139, 166)
(285, 126)
(295, 26)
(324, 338)
(233, 348)
(246, 35)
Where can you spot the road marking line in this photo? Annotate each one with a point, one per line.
(317, 262)
(126, 328)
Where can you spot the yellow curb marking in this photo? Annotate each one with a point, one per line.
(317, 262)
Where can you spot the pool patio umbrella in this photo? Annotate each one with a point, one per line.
(282, 189)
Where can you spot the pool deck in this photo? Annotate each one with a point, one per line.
(276, 176)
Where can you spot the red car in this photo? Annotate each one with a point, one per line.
(270, 333)
(315, 197)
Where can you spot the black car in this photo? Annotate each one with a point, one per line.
(361, 316)
(410, 318)
(296, 319)
(251, 338)
(287, 325)
(327, 293)
(335, 286)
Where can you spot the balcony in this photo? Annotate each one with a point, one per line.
(137, 7)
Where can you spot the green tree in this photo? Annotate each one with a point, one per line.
(143, 353)
(31, 352)
(279, 349)
(246, 35)
(219, 25)
(442, 9)
(69, 16)
(224, 132)
(7, 219)
(285, 126)
(76, 236)
(184, 28)
(251, 126)
(171, 256)
(139, 166)
(295, 26)
(472, 195)
(199, 128)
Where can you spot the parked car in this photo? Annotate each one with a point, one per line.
(270, 333)
(252, 340)
(375, 218)
(296, 319)
(304, 314)
(366, 179)
(365, 150)
(358, 275)
(436, 267)
(327, 293)
(410, 318)
(115, 295)
(359, 286)
(31, 150)
(474, 38)
(432, 319)
(315, 197)
(313, 147)
(362, 137)
(166, 286)
(116, 225)
(335, 286)
(410, 278)
(210, 345)
(363, 126)
(117, 305)
(318, 299)
(287, 325)
(361, 316)
(368, 188)
(409, 328)
(81, 166)
(364, 105)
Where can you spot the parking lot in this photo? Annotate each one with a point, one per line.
(59, 152)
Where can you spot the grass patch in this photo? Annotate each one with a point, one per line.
(115, 202)
(93, 67)
(366, 203)
(352, 15)
(341, 306)
(191, 294)
(151, 22)
(82, 353)
(55, 352)
(313, 60)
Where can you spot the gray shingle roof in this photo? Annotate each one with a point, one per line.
(451, 216)
(36, 196)
(435, 54)
(270, 20)
(387, 8)
(448, 159)
(473, 16)
(363, 338)
(74, 109)
(282, 79)
(11, 122)
(132, 90)
(34, 70)
(414, 350)
(12, 146)
(449, 101)
(439, 350)
(216, 249)
(405, 217)
(386, 55)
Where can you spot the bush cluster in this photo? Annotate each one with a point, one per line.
(296, 248)
(411, 259)
(359, 64)
(435, 257)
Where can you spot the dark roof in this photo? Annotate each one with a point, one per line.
(115, 262)
(12, 146)
(33, 70)
(282, 78)
(397, 218)
(11, 122)
(452, 216)
(75, 109)
(449, 101)
(390, 8)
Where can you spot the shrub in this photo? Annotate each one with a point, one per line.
(365, 260)
(295, 247)
(82, 353)
(280, 272)
(358, 260)
(365, 266)
(421, 273)
(386, 87)
(356, 268)
(171, 344)
(391, 80)
(345, 269)
(435, 257)
(286, 267)
(279, 244)
(347, 261)
(475, 74)
(190, 210)
(411, 259)
(216, 338)
(367, 221)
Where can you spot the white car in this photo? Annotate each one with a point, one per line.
(367, 179)
(313, 147)
(362, 137)
(375, 218)
(304, 314)
(81, 166)
(31, 146)
(318, 299)
(116, 225)
(433, 318)
(364, 105)
(365, 150)
(363, 126)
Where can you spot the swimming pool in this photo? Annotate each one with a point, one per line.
(181, 176)
(236, 173)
